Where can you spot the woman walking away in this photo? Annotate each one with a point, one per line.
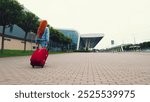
(42, 37)
(40, 55)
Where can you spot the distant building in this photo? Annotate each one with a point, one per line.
(14, 38)
(89, 41)
(84, 41)
(74, 35)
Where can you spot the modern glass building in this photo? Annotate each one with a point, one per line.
(74, 35)
(17, 32)
(83, 41)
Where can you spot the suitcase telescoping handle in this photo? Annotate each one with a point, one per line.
(48, 46)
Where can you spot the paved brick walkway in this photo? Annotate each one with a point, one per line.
(79, 68)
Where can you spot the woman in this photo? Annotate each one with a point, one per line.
(42, 37)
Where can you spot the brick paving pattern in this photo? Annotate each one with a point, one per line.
(78, 69)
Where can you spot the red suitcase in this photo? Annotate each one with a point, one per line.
(39, 57)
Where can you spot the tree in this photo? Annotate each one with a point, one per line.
(145, 45)
(59, 38)
(66, 42)
(69, 40)
(10, 12)
(54, 35)
(28, 23)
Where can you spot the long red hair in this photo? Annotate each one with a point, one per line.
(41, 28)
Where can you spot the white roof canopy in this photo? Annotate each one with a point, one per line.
(92, 35)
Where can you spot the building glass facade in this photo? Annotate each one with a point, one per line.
(74, 35)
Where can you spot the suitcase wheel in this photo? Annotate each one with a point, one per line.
(32, 66)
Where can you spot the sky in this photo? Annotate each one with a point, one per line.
(124, 21)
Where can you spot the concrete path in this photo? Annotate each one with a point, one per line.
(79, 69)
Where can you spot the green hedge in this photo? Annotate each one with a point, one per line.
(9, 53)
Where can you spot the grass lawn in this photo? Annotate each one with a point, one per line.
(9, 53)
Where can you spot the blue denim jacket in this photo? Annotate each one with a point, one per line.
(43, 41)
